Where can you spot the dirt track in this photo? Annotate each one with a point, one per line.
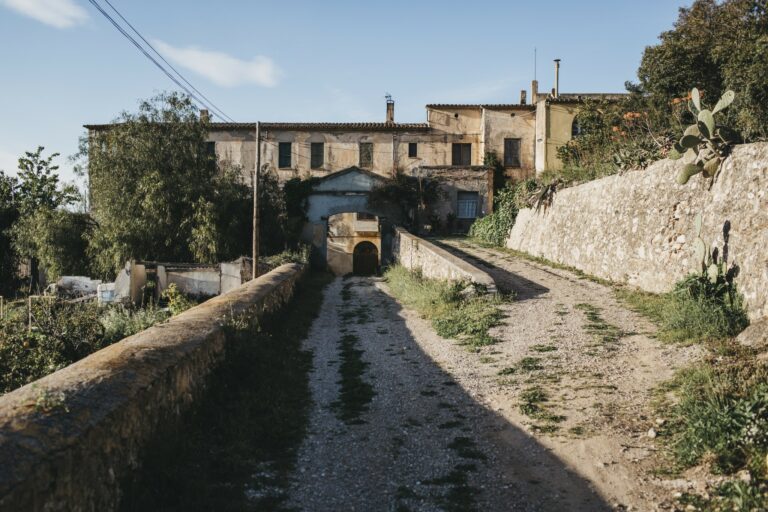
(405, 420)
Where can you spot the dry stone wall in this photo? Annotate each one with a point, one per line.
(72, 454)
(435, 262)
(638, 227)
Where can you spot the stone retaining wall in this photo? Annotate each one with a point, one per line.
(435, 262)
(638, 228)
(102, 409)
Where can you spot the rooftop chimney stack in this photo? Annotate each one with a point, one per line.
(557, 78)
(390, 109)
(205, 117)
(534, 91)
(523, 97)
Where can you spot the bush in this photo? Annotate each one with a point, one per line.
(695, 310)
(698, 309)
(63, 332)
(120, 322)
(453, 315)
(494, 228)
(721, 420)
(178, 302)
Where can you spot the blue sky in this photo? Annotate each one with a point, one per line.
(63, 65)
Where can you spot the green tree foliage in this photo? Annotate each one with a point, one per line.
(56, 239)
(413, 196)
(714, 46)
(8, 215)
(43, 231)
(158, 193)
(494, 228)
(148, 173)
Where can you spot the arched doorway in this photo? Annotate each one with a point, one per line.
(365, 259)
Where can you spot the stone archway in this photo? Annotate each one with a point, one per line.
(365, 259)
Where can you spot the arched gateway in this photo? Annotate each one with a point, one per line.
(340, 219)
(365, 259)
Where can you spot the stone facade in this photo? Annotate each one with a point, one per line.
(74, 457)
(638, 227)
(415, 253)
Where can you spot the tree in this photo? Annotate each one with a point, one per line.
(9, 213)
(158, 193)
(38, 197)
(714, 46)
(148, 174)
(39, 187)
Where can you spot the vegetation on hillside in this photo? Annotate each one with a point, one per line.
(714, 47)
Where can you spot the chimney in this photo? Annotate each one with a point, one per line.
(523, 97)
(557, 78)
(534, 91)
(390, 109)
(204, 116)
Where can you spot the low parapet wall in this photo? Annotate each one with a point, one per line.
(638, 227)
(435, 262)
(69, 439)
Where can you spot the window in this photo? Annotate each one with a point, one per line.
(366, 154)
(210, 149)
(576, 128)
(413, 150)
(284, 155)
(365, 216)
(462, 154)
(317, 155)
(511, 152)
(466, 205)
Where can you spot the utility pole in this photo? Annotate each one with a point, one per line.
(256, 202)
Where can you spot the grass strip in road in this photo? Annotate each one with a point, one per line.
(237, 446)
(356, 394)
(453, 315)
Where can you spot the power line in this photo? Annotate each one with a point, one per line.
(217, 110)
(146, 54)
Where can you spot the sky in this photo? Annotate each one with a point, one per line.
(63, 65)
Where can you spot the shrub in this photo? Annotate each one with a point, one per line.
(721, 416)
(120, 322)
(178, 302)
(494, 228)
(452, 314)
(698, 309)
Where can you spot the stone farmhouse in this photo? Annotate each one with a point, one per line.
(351, 159)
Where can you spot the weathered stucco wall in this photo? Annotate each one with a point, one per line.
(73, 457)
(638, 228)
(415, 253)
(344, 233)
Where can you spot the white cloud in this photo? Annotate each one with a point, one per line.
(57, 13)
(220, 68)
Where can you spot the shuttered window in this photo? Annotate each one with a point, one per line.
(462, 154)
(317, 157)
(284, 155)
(366, 154)
(466, 205)
(413, 150)
(511, 152)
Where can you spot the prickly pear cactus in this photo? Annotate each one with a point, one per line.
(705, 144)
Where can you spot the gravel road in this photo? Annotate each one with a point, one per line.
(419, 441)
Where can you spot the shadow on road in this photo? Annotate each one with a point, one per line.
(506, 281)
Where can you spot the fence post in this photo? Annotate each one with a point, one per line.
(29, 314)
